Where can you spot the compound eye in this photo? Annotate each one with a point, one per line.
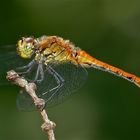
(29, 40)
(28, 46)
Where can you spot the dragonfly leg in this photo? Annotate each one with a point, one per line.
(27, 66)
(37, 74)
(59, 80)
(40, 73)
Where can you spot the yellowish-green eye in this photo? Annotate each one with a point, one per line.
(24, 49)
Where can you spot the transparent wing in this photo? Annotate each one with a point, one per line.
(74, 76)
(9, 60)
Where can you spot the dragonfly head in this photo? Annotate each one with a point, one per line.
(25, 47)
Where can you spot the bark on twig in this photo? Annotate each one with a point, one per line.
(30, 88)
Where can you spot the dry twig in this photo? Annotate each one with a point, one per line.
(30, 88)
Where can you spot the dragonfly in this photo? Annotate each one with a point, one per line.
(57, 67)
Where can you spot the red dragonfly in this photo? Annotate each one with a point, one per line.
(56, 66)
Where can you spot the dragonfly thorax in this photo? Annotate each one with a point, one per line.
(40, 58)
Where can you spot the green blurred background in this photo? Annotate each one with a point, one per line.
(106, 107)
